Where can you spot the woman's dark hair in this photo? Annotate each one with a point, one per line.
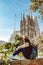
(27, 40)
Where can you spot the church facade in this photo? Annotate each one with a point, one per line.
(29, 26)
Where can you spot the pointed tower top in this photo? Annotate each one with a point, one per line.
(21, 21)
(31, 15)
(29, 12)
(35, 18)
(23, 15)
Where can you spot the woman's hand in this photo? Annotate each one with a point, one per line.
(18, 48)
(14, 49)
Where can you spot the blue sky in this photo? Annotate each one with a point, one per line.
(8, 9)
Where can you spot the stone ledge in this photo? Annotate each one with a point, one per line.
(27, 62)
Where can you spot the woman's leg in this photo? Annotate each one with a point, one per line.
(20, 50)
(16, 52)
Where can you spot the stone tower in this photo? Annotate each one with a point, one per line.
(36, 26)
(28, 26)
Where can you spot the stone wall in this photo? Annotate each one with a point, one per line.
(27, 62)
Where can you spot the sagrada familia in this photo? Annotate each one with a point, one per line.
(28, 26)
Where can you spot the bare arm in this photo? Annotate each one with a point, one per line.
(23, 46)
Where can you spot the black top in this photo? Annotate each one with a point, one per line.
(27, 52)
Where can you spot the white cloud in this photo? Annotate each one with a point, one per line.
(5, 34)
(4, 38)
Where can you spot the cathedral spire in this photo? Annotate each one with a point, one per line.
(36, 25)
(31, 15)
(23, 15)
(21, 22)
(21, 18)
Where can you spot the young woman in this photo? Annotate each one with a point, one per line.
(27, 49)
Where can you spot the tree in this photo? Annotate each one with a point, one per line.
(18, 40)
(8, 45)
(37, 5)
